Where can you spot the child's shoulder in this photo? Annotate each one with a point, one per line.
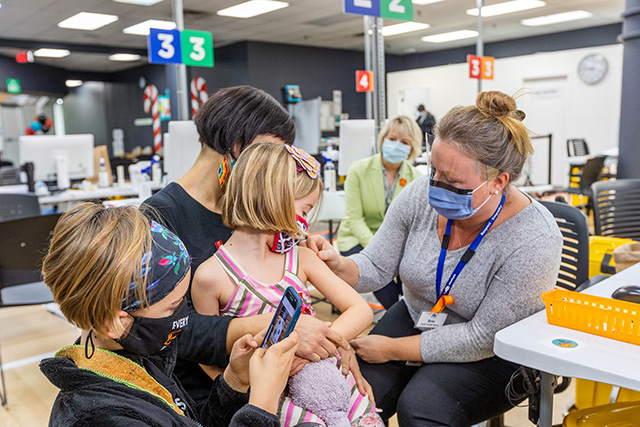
(208, 272)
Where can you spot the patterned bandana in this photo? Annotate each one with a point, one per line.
(304, 162)
(164, 266)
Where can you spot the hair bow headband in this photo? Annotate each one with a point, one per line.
(304, 161)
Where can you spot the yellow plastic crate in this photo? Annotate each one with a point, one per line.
(601, 247)
(606, 317)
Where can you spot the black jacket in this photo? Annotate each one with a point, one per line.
(89, 399)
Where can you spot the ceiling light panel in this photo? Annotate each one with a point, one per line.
(574, 15)
(402, 28)
(507, 7)
(73, 83)
(252, 8)
(51, 53)
(142, 29)
(448, 37)
(87, 21)
(124, 57)
(139, 2)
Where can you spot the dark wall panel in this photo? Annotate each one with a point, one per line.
(318, 71)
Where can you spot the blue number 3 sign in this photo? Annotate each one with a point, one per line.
(164, 46)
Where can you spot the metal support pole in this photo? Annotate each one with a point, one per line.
(380, 74)
(546, 399)
(368, 42)
(480, 41)
(181, 69)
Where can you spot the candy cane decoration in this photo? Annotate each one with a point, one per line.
(198, 94)
(150, 104)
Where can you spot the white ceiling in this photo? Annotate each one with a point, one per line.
(305, 22)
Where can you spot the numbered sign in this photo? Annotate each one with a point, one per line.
(364, 81)
(197, 48)
(475, 66)
(480, 67)
(164, 46)
(362, 7)
(396, 9)
(487, 67)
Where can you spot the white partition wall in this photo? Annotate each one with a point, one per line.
(588, 111)
(357, 141)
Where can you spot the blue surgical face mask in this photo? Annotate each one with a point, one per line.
(395, 151)
(453, 202)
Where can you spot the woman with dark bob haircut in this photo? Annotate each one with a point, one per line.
(231, 120)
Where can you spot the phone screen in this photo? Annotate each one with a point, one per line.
(285, 318)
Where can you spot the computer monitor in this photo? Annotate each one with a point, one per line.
(45, 151)
(357, 141)
(181, 148)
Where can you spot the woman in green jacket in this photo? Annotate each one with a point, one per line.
(371, 186)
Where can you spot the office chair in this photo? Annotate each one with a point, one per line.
(577, 147)
(591, 172)
(18, 205)
(23, 245)
(617, 208)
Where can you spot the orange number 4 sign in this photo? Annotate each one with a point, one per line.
(480, 67)
(364, 81)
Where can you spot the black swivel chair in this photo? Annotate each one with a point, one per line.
(23, 245)
(15, 206)
(617, 208)
(591, 172)
(573, 274)
(577, 147)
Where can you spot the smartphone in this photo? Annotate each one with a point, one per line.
(285, 318)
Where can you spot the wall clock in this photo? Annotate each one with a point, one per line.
(593, 68)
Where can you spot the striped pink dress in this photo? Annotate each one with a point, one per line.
(252, 297)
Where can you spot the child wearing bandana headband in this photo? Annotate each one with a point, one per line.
(122, 281)
(269, 195)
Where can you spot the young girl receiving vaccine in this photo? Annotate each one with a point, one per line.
(270, 193)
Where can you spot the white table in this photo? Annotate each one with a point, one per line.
(596, 358)
(332, 209)
(529, 189)
(71, 196)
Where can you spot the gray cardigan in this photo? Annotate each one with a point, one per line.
(515, 263)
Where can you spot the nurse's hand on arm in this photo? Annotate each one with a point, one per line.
(381, 349)
(343, 267)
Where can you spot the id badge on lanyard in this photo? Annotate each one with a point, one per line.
(435, 317)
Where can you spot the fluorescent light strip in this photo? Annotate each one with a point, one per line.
(252, 8)
(449, 37)
(124, 57)
(402, 28)
(51, 53)
(556, 18)
(73, 83)
(139, 2)
(507, 7)
(87, 21)
(423, 2)
(142, 29)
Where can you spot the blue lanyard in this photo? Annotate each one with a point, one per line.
(468, 254)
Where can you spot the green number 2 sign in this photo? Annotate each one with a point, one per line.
(197, 48)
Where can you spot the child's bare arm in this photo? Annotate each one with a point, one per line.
(356, 314)
(206, 287)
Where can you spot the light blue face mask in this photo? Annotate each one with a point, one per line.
(453, 202)
(395, 151)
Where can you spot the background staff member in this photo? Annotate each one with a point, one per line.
(426, 234)
(371, 186)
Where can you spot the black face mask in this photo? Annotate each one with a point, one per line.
(149, 336)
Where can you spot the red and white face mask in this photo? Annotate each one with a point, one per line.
(283, 243)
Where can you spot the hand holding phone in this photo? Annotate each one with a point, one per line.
(284, 319)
